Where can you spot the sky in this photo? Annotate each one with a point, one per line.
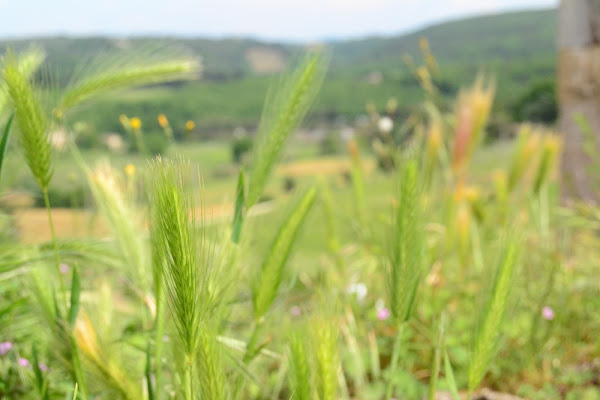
(277, 20)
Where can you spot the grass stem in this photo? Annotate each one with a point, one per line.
(394, 362)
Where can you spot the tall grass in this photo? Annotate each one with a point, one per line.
(183, 271)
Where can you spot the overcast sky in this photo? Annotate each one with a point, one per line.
(265, 19)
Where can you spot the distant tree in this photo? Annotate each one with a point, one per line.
(537, 104)
(578, 90)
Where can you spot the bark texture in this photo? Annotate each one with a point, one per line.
(579, 93)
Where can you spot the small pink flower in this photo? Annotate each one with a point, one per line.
(23, 362)
(383, 314)
(295, 311)
(64, 268)
(5, 347)
(548, 313)
(43, 367)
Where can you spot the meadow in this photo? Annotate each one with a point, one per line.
(413, 264)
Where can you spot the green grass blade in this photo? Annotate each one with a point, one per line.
(75, 391)
(238, 216)
(492, 317)
(5, 140)
(437, 358)
(39, 376)
(269, 278)
(282, 115)
(75, 294)
(450, 377)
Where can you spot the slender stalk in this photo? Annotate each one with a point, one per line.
(544, 212)
(394, 363)
(437, 358)
(55, 245)
(78, 367)
(248, 356)
(74, 349)
(251, 347)
(187, 381)
(160, 330)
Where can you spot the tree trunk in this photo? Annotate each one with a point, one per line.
(579, 92)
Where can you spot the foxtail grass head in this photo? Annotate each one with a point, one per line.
(266, 284)
(472, 112)
(551, 145)
(32, 119)
(283, 112)
(143, 67)
(405, 256)
(527, 148)
(492, 316)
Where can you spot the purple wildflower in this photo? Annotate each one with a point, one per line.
(548, 313)
(5, 347)
(23, 362)
(64, 268)
(43, 367)
(295, 311)
(383, 314)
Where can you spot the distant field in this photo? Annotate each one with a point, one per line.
(212, 158)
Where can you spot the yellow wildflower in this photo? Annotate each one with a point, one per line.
(130, 170)
(190, 125)
(135, 123)
(163, 121)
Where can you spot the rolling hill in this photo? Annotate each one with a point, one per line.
(518, 48)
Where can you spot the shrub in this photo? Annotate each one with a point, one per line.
(240, 147)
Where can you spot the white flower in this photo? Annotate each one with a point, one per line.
(359, 289)
(385, 124)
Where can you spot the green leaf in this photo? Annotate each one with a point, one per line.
(75, 292)
(238, 216)
(75, 391)
(5, 140)
(271, 273)
(450, 377)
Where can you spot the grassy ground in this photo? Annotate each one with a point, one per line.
(533, 361)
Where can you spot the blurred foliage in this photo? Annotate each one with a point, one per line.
(537, 104)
